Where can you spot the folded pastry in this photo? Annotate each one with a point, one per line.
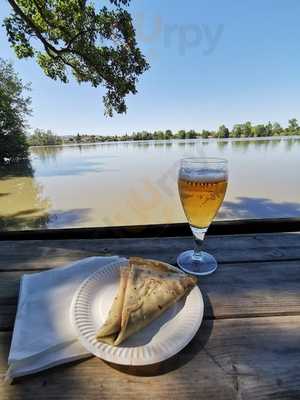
(112, 325)
(147, 289)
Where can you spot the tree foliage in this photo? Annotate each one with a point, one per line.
(223, 132)
(205, 134)
(244, 130)
(42, 137)
(97, 46)
(14, 108)
(293, 126)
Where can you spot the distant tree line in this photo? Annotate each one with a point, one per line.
(42, 137)
(245, 130)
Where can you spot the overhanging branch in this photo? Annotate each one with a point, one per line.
(38, 34)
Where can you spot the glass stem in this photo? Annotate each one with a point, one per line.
(198, 234)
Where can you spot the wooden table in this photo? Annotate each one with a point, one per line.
(248, 346)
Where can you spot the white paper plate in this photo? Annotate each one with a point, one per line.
(160, 340)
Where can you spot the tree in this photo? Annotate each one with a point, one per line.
(181, 134)
(205, 134)
(223, 132)
(156, 135)
(237, 131)
(14, 108)
(269, 129)
(191, 134)
(247, 129)
(97, 46)
(168, 134)
(293, 127)
(146, 135)
(259, 130)
(277, 129)
(161, 135)
(41, 137)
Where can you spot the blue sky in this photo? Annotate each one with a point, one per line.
(212, 62)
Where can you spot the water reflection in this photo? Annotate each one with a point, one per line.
(290, 143)
(222, 145)
(23, 168)
(90, 147)
(135, 182)
(275, 143)
(71, 160)
(22, 205)
(241, 145)
(45, 153)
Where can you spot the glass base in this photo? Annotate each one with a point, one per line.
(204, 265)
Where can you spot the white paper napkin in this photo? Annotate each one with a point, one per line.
(43, 335)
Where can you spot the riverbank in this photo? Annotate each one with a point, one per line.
(245, 139)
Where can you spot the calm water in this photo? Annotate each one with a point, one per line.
(135, 183)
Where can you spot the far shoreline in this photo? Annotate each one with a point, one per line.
(244, 139)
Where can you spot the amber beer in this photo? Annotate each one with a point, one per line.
(202, 196)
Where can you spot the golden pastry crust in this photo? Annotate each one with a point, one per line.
(112, 324)
(151, 288)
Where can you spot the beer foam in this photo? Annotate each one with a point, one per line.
(203, 175)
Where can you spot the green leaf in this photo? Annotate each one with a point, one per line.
(73, 37)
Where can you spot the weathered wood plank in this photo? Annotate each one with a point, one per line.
(255, 358)
(234, 290)
(224, 227)
(258, 289)
(38, 254)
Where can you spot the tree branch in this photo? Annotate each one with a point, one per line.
(40, 10)
(71, 41)
(38, 34)
(46, 44)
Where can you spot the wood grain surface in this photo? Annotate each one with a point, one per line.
(248, 346)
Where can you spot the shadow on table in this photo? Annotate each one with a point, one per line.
(181, 358)
(26, 385)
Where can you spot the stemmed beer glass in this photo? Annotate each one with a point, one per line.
(202, 184)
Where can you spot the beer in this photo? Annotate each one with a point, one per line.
(202, 184)
(201, 194)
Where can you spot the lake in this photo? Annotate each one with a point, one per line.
(129, 183)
